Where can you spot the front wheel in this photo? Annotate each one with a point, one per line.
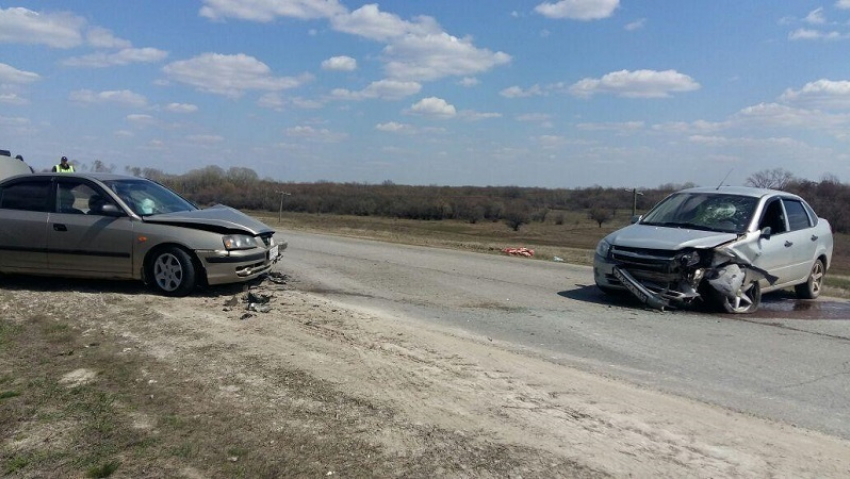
(811, 288)
(172, 272)
(747, 301)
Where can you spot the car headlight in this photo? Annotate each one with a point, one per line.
(602, 248)
(239, 242)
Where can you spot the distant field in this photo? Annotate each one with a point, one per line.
(573, 241)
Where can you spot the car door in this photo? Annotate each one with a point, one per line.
(24, 205)
(803, 241)
(81, 239)
(774, 249)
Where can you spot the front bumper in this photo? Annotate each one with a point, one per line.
(224, 266)
(659, 295)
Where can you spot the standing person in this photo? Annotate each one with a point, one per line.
(63, 166)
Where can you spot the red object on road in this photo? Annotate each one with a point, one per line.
(519, 252)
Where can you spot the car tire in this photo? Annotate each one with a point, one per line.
(811, 288)
(172, 272)
(747, 303)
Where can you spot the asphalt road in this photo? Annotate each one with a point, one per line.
(790, 362)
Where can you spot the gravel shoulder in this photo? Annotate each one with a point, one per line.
(365, 393)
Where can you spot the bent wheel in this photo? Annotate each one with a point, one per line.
(811, 288)
(172, 272)
(747, 301)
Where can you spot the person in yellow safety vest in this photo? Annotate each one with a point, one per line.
(64, 166)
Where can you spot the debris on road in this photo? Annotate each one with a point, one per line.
(519, 252)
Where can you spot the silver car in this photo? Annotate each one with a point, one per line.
(724, 245)
(119, 227)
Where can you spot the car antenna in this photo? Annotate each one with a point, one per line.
(724, 179)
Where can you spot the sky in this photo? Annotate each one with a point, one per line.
(553, 94)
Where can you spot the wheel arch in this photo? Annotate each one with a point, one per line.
(152, 252)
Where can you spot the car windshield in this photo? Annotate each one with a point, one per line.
(147, 198)
(703, 211)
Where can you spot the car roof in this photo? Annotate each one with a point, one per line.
(739, 190)
(93, 176)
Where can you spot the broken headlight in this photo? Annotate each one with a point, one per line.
(603, 248)
(690, 258)
(239, 242)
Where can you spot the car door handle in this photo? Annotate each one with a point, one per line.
(814, 237)
(788, 244)
(59, 227)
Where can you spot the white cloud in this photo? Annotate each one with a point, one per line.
(535, 117)
(393, 127)
(433, 107)
(434, 56)
(843, 4)
(809, 34)
(119, 97)
(469, 81)
(268, 10)
(776, 115)
(13, 99)
(102, 38)
(621, 127)
(698, 126)
(340, 63)
(417, 50)
(821, 94)
(205, 139)
(636, 84)
(228, 75)
(320, 135)
(369, 22)
(383, 89)
(123, 57)
(181, 108)
(140, 119)
(472, 115)
(578, 9)
(635, 25)
(518, 92)
(815, 17)
(57, 30)
(10, 74)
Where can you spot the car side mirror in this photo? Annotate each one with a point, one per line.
(635, 219)
(765, 232)
(109, 209)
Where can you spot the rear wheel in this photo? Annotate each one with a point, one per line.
(747, 300)
(811, 288)
(172, 272)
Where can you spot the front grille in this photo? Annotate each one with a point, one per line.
(643, 258)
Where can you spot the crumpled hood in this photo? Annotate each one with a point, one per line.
(671, 239)
(218, 216)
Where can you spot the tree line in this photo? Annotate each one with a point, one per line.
(242, 188)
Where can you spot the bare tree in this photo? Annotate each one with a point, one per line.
(600, 215)
(777, 178)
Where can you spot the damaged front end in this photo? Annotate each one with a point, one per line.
(678, 279)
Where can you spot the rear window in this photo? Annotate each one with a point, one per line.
(26, 196)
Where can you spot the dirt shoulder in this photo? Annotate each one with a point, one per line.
(137, 385)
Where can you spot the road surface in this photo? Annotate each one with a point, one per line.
(782, 364)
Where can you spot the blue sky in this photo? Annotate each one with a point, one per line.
(566, 93)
